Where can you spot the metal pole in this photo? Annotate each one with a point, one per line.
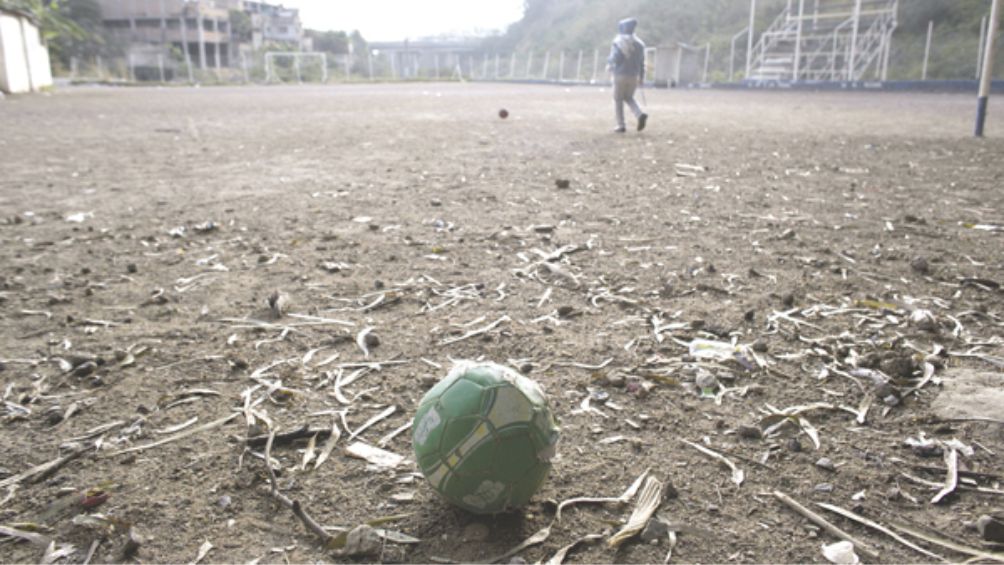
(596, 63)
(348, 66)
(296, 65)
(749, 40)
(927, 49)
(184, 42)
(324, 68)
(988, 69)
(529, 64)
(980, 47)
(132, 68)
(244, 67)
(160, 65)
(512, 66)
(578, 67)
(435, 62)
(547, 63)
(561, 66)
(369, 62)
(707, 59)
(798, 41)
(497, 61)
(854, 40)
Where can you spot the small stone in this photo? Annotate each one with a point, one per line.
(131, 268)
(121, 355)
(85, 369)
(517, 561)
(545, 228)
(614, 379)
(991, 528)
(565, 311)
(750, 315)
(749, 432)
(920, 266)
(224, 501)
(562, 183)
(435, 203)
(654, 530)
(429, 380)
(378, 284)
(599, 395)
(788, 300)
(526, 368)
(372, 340)
(826, 464)
(794, 445)
(760, 346)
(823, 487)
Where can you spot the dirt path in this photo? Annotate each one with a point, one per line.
(414, 210)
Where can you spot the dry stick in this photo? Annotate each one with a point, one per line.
(951, 477)
(40, 472)
(476, 332)
(823, 523)
(879, 527)
(948, 544)
(294, 505)
(182, 435)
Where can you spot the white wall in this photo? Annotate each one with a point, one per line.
(22, 71)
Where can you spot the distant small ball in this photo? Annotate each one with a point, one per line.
(503, 113)
(484, 437)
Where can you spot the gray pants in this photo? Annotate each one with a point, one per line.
(624, 87)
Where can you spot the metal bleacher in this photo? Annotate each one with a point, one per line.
(826, 40)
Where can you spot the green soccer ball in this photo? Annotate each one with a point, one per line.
(484, 437)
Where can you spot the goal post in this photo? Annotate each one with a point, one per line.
(298, 59)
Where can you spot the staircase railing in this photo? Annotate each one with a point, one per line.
(769, 38)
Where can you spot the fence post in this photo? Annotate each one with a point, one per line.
(561, 67)
(979, 48)
(160, 65)
(988, 69)
(927, 49)
(244, 66)
(851, 63)
(547, 63)
(512, 66)
(596, 64)
(369, 62)
(707, 59)
(73, 68)
(578, 68)
(529, 64)
(132, 70)
(749, 40)
(496, 66)
(798, 41)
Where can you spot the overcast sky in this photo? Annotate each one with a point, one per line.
(385, 20)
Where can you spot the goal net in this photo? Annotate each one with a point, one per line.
(296, 66)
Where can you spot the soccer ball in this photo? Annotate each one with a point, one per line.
(484, 437)
(503, 113)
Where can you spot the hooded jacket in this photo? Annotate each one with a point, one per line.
(627, 54)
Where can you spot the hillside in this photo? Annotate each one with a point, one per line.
(589, 24)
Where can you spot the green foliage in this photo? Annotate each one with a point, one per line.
(241, 26)
(591, 24)
(50, 15)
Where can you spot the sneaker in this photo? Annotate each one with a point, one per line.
(641, 121)
(620, 130)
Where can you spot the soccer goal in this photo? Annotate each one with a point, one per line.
(285, 66)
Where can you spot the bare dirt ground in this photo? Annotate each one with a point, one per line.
(849, 236)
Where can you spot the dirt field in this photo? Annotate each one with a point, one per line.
(846, 235)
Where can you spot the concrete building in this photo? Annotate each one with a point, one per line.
(156, 31)
(274, 24)
(24, 58)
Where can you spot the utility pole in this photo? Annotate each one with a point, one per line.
(988, 69)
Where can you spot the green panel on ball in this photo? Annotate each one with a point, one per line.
(515, 454)
(463, 398)
(524, 488)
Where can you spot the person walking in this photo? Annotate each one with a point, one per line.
(627, 63)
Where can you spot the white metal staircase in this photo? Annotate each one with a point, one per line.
(826, 40)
